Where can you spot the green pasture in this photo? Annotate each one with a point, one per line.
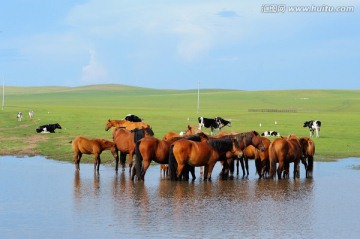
(85, 110)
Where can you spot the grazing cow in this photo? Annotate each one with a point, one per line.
(207, 123)
(313, 125)
(48, 128)
(132, 118)
(19, 116)
(270, 133)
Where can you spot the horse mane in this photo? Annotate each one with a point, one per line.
(221, 144)
(195, 137)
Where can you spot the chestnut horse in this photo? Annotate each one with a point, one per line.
(308, 151)
(261, 158)
(129, 125)
(125, 141)
(284, 151)
(82, 146)
(207, 153)
(152, 149)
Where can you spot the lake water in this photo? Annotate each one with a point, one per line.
(42, 198)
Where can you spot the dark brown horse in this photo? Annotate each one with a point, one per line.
(151, 149)
(284, 151)
(129, 125)
(308, 151)
(82, 146)
(125, 141)
(261, 158)
(245, 139)
(186, 152)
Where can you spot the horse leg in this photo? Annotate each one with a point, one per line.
(179, 170)
(206, 170)
(231, 163)
(77, 158)
(123, 160)
(247, 166)
(309, 169)
(131, 155)
(211, 167)
(242, 165)
(145, 168)
(133, 174)
(297, 169)
(237, 166)
(192, 171)
(98, 163)
(280, 169)
(116, 163)
(95, 161)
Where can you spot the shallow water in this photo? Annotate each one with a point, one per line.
(42, 198)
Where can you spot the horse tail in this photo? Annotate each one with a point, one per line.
(272, 159)
(138, 134)
(138, 161)
(172, 163)
(310, 155)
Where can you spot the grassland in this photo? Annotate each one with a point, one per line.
(85, 110)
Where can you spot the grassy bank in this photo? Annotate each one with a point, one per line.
(85, 110)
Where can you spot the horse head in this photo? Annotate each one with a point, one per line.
(253, 138)
(108, 125)
(237, 148)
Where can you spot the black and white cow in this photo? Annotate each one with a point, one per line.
(48, 128)
(133, 118)
(222, 123)
(19, 116)
(313, 125)
(270, 133)
(216, 123)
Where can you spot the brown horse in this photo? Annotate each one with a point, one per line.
(207, 153)
(125, 141)
(129, 125)
(284, 151)
(308, 151)
(151, 149)
(261, 158)
(82, 146)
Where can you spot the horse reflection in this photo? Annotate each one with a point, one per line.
(84, 187)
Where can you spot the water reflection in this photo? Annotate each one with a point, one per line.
(110, 205)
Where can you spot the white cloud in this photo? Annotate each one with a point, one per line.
(197, 27)
(93, 72)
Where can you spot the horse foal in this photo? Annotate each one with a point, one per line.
(82, 146)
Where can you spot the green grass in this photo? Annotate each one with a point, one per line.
(85, 110)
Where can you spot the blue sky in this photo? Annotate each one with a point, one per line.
(242, 45)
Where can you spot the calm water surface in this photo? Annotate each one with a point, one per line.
(42, 198)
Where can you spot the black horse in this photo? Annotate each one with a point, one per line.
(48, 128)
